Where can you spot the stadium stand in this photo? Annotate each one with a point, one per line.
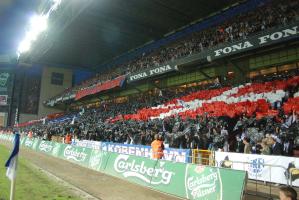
(267, 15)
(198, 94)
(211, 116)
(217, 118)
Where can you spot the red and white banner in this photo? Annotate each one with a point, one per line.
(118, 82)
(250, 99)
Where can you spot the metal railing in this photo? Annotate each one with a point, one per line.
(203, 157)
(266, 181)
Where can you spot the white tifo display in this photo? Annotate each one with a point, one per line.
(262, 167)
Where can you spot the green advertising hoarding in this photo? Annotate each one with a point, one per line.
(98, 160)
(78, 155)
(204, 182)
(28, 143)
(6, 137)
(46, 147)
(189, 181)
(131, 168)
(195, 182)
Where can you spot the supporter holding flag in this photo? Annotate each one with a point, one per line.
(11, 165)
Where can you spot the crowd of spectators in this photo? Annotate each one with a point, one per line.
(277, 135)
(265, 16)
(249, 134)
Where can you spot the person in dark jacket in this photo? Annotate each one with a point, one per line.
(288, 146)
(276, 147)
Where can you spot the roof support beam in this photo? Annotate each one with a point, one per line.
(205, 74)
(237, 67)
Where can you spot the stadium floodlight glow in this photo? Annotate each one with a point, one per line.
(38, 24)
(55, 5)
(24, 46)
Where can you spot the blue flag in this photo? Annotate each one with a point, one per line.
(11, 163)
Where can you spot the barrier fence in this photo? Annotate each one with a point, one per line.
(171, 154)
(257, 166)
(203, 157)
(266, 168)
(232, 164)
(184, 180)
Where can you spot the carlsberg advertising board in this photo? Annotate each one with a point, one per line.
(187, 181)
(180, 179)
(203, 182)
(134, 169)
(78, 155)
(46, 147)
(98, 160)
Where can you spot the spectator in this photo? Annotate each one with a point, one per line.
(247, 146)
(265, 148)
(157, 147)
(287, 193)
(288, 147)
(68, 138)
(276, 147)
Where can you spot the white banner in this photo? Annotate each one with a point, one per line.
(179, 155)
(262, 167)
(89, 144)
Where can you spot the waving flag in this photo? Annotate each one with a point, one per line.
(11, 163)
(73, 120)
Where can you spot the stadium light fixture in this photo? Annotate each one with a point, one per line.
(24, 46)
(37, 25)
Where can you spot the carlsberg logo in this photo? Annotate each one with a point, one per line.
(45, 147)
(140, 170)
(28, 143)
(71, 153)
(203, 185)
(96, 159)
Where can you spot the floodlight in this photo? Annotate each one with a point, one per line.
(37, 24)
(24, 46)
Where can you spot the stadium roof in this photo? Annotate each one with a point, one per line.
(94, 32)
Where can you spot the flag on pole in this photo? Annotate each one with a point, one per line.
(44, 120)
(11, 163)
(73, 120)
